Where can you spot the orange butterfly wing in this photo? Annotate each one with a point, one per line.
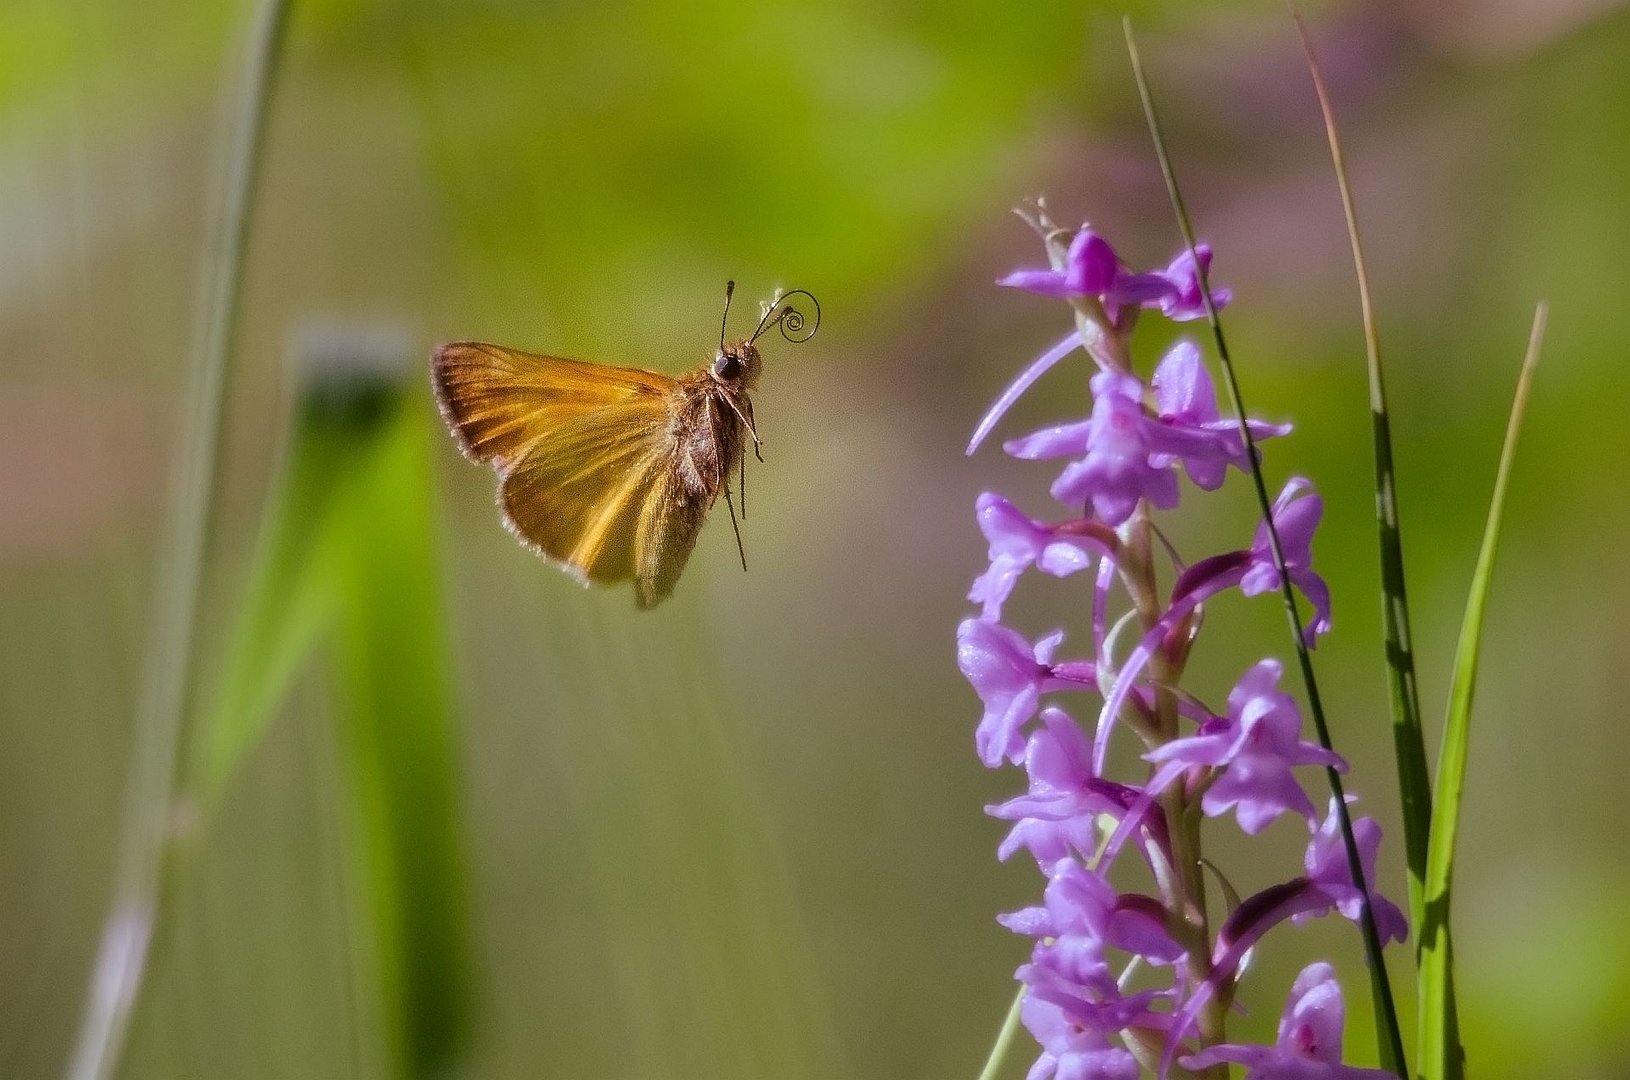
(586, 456)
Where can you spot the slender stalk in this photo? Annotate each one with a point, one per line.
(1414, 786)
(1182, 826)
(127, 933)
(1392, 1046)
(1004, 1039)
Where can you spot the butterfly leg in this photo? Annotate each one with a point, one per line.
(734, 527)
(752, 429)
(744, 412)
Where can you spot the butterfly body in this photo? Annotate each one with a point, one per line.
(608, 472)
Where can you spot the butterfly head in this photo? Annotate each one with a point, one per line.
(736, 366)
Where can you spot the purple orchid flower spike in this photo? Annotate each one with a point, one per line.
(1115, 468)
(1255, 747)
(1120, 464)
(1018, 542)
(1309, 1043)
(1010, 675)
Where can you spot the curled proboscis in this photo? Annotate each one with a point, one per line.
(794, 325)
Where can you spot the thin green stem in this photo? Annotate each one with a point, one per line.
(1393, 1044)
(1414, 785)
(1004, 1039)
(121, 960)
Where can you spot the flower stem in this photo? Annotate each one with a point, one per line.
(1187, 883)
(1392, 1046)
(1004, 1039)
(127, 933)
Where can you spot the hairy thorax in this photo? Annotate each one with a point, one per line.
(708, 429)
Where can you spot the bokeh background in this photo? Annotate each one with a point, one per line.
(444, 813)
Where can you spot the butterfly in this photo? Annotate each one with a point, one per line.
(608, 472)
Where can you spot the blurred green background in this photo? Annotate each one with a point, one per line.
(475, 821)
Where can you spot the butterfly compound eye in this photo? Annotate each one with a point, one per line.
(727, 367)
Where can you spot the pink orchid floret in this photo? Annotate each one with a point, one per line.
(1018, 542)
(1073, 1005)
(1010, 674)
(1092, 268)
(1125, 452)
(1081, 915)
(1114, 469)
(1254, 747)
(1296, 514)
(1192, 430)
(1329, 873)
(1072, 1050)
(1059, 814)
(1310, 1037)
(1182, 300)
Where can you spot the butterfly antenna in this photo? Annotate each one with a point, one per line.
(729, 291)
(734, 527)
(743, 487)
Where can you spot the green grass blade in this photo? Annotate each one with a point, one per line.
(347, 569)
(407, 869)
(1409, 742)
(1388, 1034)
(1440, 1056)
(121, 960)
(290, 598)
